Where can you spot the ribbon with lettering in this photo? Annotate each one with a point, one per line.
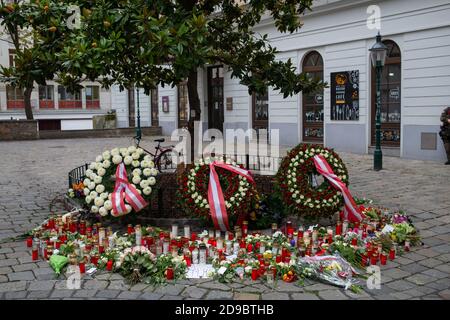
(125, 190)
(215, 194)
(351, 210)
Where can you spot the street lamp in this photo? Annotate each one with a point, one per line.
(378, 56)
(138, 127)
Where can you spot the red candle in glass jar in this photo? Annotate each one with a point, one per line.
(392, 254)
(94, 260)
(34, 254)
(274, 272)
(254, 274)
(330, 239)
(101, 249)
(354, 241)
(130, 229)
(73, 227)
(373, 259)
(249, 247)
(187, 258)
(193, 236)
(339, 228)
(242, 244)
(278, 259)
(169, 273)
(45, 254)
(58, 244)
(383, 259)
(82, 267)
(109, 265)
(29, 242)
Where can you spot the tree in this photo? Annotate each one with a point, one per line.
(146, 43)
(34, 57)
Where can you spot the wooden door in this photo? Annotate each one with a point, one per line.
(154, 107)
(215, 98)
(260, 112)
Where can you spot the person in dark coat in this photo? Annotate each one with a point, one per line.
(445, 132)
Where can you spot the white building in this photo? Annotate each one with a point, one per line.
(334, 44)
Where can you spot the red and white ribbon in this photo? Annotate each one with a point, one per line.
(351, 210)
(215, 194)
(125, 190)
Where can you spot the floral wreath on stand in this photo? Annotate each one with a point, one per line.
(100, 181)
(296, 176)
(239, 194)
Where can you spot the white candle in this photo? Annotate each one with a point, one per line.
(235, 248)
(211, 233)
(344, 226)
(219, 243)
(228, 249)
(187, 231)
(174, 232)
(166, 247)
(218, 234)
(262, 249)
(195, 256)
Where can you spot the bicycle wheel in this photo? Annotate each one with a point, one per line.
(165, 161)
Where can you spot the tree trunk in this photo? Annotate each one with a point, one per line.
(27, 102)
(194, 105)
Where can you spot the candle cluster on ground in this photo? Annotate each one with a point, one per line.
(288, 253)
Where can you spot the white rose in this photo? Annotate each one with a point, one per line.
(147, 172)
(99, 159)
(117, 159)
(151, 181)
(91, 185)
(140, 151)
(115, 152)
(135, 163)
(123, 151)
(99, 201)
(88, 172)
(104, 195)
(98, 180)
(92, 165)
(144, 184)
(106, 164)
(144, 164)
(135, 156)
(106, 155)
(128, 208)
(127, 160)
(108, 205)
(87, 181)
(147, 158)
(136, 172)
(103, 212)
(147, 191)
(86, 191)
(154, 172)
(101, 172)
(131, 149)
(94, 209)
(93, 194)
(88, 199)
(136, 180)
(100, 188)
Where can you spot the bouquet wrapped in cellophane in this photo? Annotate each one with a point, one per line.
(330, 269)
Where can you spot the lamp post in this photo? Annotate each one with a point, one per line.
(378, 57)
(138, 127)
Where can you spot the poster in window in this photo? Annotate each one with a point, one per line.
(345, 95)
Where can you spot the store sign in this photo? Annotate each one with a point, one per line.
(345, 95)
(394, 94)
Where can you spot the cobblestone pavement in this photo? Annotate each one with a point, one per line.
(34, 172)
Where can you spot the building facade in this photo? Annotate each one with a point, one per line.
(334, 45)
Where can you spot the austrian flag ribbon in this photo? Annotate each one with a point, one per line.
(215, 194)
(351, 210)
(123, 190)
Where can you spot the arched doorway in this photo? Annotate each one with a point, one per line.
(390, 97)
(312, 111)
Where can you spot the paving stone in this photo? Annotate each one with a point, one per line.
(39, 294)
(3, 279)
(444, 268)
(218, 295)
(107, 294)
(150, 296)
(194, 292)
(332, 295)
(440, 284)
(215, 286)
(129, 295)
(13, 286)
(304, 296)
(436, 273)
(414, 268)
(287, 287)
(25, 267)
(139, 287)
(421, 279)
(82, 293)
(169, 297)
(118, 285)
(246, 296)
(401, 296)
(15, 295)
(445, 294)
(275, 296)
(318, 287)
(394, 274)
(400, 285)
(24, 275)
(5, 270)
(8, 262)
(170, 289)
(95, 285)
(62, 293)
(41, 285)
(430, 263)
